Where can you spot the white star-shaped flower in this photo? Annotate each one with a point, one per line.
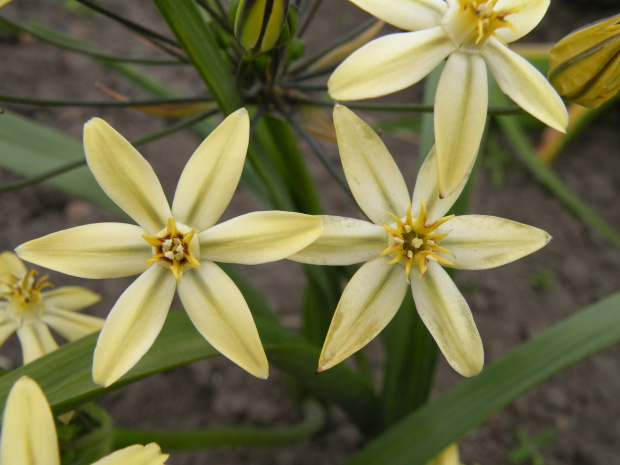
(404, 247)
(179, 245)
(472, 35)
(29, 433)
(28, 305)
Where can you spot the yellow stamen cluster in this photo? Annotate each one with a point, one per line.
(173, 248)
(486, 18)
(414, 241)
(27, 290)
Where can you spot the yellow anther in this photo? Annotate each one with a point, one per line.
(413, 241)
(172, 248)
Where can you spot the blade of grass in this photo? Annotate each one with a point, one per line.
(426, 432)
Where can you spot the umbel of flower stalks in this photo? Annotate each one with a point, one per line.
(258, 24)
(585, 65)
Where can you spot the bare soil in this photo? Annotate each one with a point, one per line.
(580, 405)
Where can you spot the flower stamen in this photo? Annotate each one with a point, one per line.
(172, 248)
(413, 241)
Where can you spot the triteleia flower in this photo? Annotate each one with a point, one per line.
(405, 246)
(179, 246)
(585, 65)
(29, 433)
(28, 305)
(472, 34)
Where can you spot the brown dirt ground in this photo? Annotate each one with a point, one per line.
(580, 405)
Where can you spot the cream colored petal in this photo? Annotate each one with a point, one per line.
(259, 237)
(70, 298)
(460, 115)
(71, 325)
(368, 304)
(8, 326)
(36, 340)
(523, 20)
(211, 176)
(410, 15)
(135, 455)
(11, 264)
(373, 176)
(219, 312)
(480, 242)
(28, 429)
(4, 2)
(524, 84)
(125, 176)
(389, 64)
(133, 324)
(427, 190)
(448, 318)
(449, 456)
(345, 241)
(102, 250)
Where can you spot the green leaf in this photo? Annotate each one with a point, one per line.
(29, 148)
(425, 433)
(65, 374)
(547, 177)
(200, 43)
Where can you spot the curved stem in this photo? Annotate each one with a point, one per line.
(114, 103)
(220, 18)
(308, 17)
(20, 184)
(312, 422)
(48, 37)
(163, 42)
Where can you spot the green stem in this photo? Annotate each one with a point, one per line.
(87, 103)
(308, 17)
(221, 19)
(313, 421)
(320, 155)
(339, 42)
(39, 33)
(163, 42)
(400, 107)
(16, 185)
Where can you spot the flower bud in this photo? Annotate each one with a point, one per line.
(258, 24)
(585, 65)
(290, 26)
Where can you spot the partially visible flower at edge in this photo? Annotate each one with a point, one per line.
(449, 456)
(585, 65)
(28, 305)
(404, 247)
(29, 433)
(179, 245)
(472, 35)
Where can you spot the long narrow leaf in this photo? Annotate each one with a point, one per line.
(29, 148)
(429, 430)
(65, 375)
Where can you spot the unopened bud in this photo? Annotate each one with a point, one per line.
(290, 26)
(258, 24)
(585, 65)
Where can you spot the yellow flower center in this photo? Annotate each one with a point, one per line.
(414, 241)
(174, 247)
(469, 23)
(24, 295)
